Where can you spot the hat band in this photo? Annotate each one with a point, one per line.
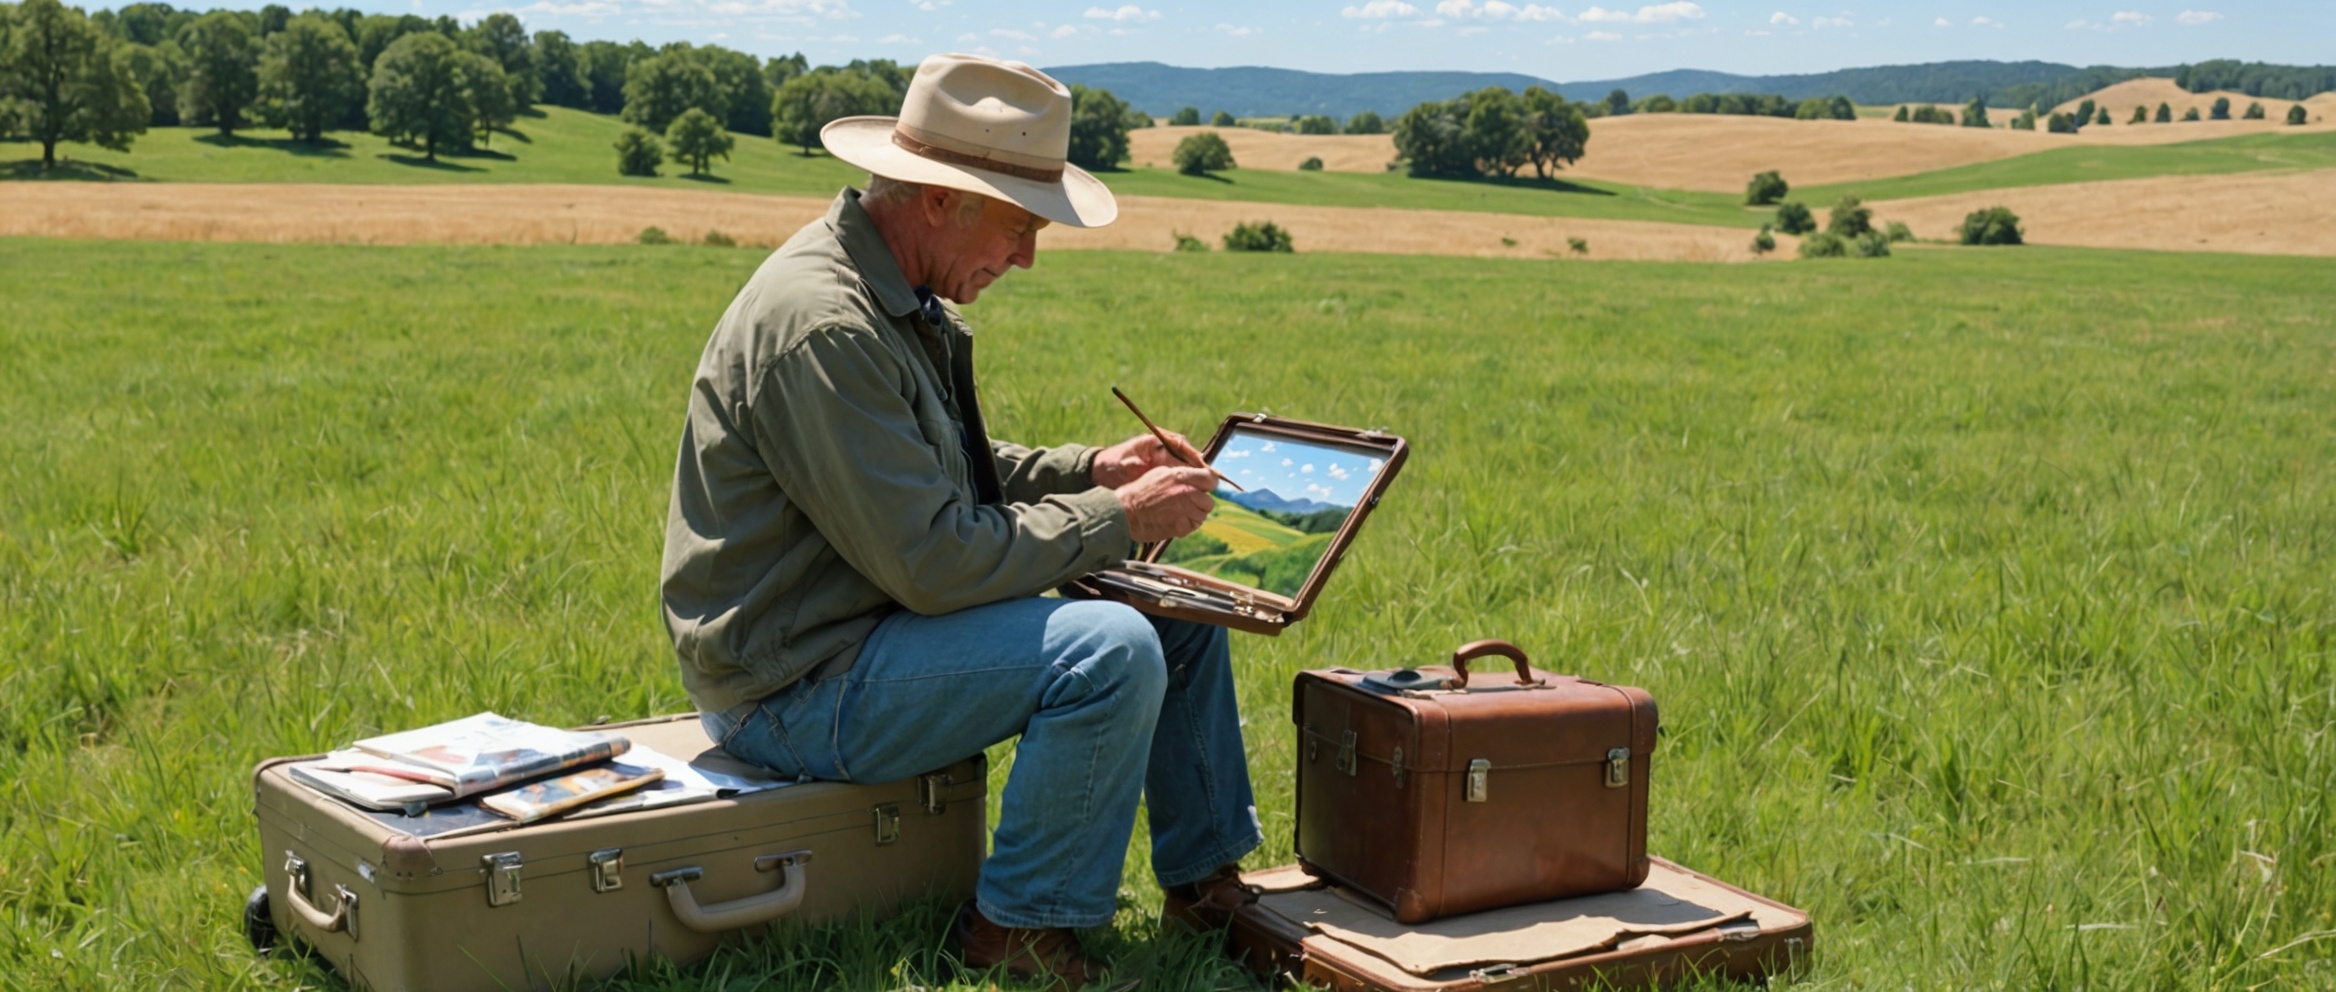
(983, 162)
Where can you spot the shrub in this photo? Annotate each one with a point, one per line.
(2102, 117)
(2190, 114)
(1900, 117)
(2026, 121)
(1185, 117)
(653, 236)
(1186, 242)
(1975, 113)
(1223, 119)
(2140, 116)
(638, 152)
(1763, 242)
(2254, 112)
(1823, 245)
(1367, 122)
(2060, 124)
(1317, 124)
(695, 138)
(2295, 114)
(1203, 153)
(1849, 218)
(2165, 113)
(2222, 108)
(1579, 246)
(1992, 226)
(1900, 232)
(1794, 218)
(1872, 244)
(1313, 163)
(717, 239)
(1928, 114)
(1264, 235)
(1766, 188)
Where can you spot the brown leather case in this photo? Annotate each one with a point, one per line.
(1769, 938)
(1438, 791)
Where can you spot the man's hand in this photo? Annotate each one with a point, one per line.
(1167, 502)
(1128, 460)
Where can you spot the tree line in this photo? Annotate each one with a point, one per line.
(2283, 82)
(428, 83)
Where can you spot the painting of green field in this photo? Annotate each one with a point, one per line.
(1242, 545)
(1985, 591)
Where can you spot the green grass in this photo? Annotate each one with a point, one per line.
(1993, 628)
(2092, 163)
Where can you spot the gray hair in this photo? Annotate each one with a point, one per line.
(885, 192)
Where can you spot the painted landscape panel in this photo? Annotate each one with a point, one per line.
(1296, 495)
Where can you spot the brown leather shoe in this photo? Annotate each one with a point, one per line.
(1052, 952)
(1210, 902)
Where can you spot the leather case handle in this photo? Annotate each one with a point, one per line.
(1480, 649)
(737, 913)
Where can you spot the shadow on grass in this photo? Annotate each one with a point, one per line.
(518, 136)
(1519, 182)
(322, 148)
(419, 162)
(704, 177)
(67, 170)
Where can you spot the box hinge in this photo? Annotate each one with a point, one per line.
(887, 824)
(502, 871)
(1346, 753)
(1618, 768)
(1479, 786)
(608, 869)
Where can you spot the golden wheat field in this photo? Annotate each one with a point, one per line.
(2265, 213)
(574, 214)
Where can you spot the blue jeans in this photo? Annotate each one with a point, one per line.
(1112, 706)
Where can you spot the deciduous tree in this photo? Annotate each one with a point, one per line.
(417, 95)
(1202, 153)
(638, 152)
(2295, 114)
(1766, 188)
(1098, 128)
(1223, 119)
(559, 71)
(2222, 108)
(487, 89)
(659, 88)
(63, 80)
(1793, 217)
(1849, 218)
(1367, 122)
(1617, 103)
(501, 38)
(1185, 117)
(308, 77)
(1558, 129)
(222, 70)
(1975, 113)
(1992, 226)
(695, 139)
(1432, 141)
(158, 68)
(2165, 113)
(810, 101)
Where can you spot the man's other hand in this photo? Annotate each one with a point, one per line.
(1167, 502)
(1128, 460)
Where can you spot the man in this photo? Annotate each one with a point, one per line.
(853, 568)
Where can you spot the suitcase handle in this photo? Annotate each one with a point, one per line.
(737, 913)
(343, 918)
(1480, 649)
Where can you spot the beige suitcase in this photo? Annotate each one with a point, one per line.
(535, 906)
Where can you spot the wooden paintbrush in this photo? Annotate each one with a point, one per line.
(1171, 445)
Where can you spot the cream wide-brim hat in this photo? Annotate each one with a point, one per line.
(984, 126)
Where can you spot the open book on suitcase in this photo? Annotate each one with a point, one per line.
(1299, 493)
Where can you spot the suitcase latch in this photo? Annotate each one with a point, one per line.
(887, 824)
(932, 791)
(1346, 753)
(1494, 974)
(1618, 768)
(608, 869)
(502, 871)
(1479, 772)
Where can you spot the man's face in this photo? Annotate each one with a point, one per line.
(1001, 237)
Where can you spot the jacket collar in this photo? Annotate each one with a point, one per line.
(857, 231)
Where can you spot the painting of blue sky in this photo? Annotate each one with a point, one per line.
(1297, 470)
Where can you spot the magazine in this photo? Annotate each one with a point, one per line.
(369, 789)
(485, 752)
(536, 800)
(685, 782)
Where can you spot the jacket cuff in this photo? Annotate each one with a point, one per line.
(1102, 526)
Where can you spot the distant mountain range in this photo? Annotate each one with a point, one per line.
(1267, 499)
(1253, 91)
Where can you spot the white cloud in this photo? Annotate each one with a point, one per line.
(2133, 17)
(587, 8)
(1833, 22)
(1601, 36)
(831, 9)
(896, 39)
(1984, 21)
(1011, 33)
(1662, 13)
(1338, 472)
(1780, 17)
(1126, 12)
(1376, 465)
(1064, 31)
(1243, 453)
(1942, 23)
(1499, 10)
(1306, 469)
(1267, 446)
(929, 5)
(1377, 9)
(2194, 18)
(1287, 463)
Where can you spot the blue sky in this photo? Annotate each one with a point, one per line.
(1561, 41)
(1297, 470)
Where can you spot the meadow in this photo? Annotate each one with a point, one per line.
(2093, 163)
(1985, 592)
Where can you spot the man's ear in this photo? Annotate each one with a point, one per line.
(938, 203)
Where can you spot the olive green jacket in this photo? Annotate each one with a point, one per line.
(824, 481)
